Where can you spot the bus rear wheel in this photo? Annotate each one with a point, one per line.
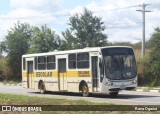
(42, 88)
(113, 94)
(85, 90)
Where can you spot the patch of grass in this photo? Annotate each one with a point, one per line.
(149, 88)
(11, 82)
(12, 99)
(32, 100)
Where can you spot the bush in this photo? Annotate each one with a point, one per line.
(148, 71)
(5, 73)
(143, 71)
(155, 57)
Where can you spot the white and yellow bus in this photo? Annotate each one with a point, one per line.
(90, 70)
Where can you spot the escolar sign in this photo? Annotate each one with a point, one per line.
(83, 73)
(43, 74)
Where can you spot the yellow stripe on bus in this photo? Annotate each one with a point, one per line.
(55, 74)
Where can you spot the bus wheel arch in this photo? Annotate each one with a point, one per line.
(83, 87)
(41, 87)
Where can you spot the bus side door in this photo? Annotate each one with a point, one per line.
(62, 75)
(95, 79)
(30, 81)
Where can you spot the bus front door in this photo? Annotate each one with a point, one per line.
(30, 81)
(62, 75)
(95, 73)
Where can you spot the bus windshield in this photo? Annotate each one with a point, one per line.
(119, 63)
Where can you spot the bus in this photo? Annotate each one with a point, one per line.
(89, 70)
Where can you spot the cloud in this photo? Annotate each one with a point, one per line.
(42, 5)
(34, 12)
(31, 16)
(123, 35)
(120, 23)
(123, 24)
(122, 20)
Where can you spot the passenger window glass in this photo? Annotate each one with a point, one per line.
(83, 60)
(51, 62)
(42, 63)
(72, 61)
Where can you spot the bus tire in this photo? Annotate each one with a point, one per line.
(113, 94)
(42, 88)
(85, 90)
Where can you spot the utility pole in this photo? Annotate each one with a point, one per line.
(143, 31)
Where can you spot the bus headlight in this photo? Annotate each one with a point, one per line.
(134, 81)
(109, 83)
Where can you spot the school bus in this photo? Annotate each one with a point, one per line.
(89, 70)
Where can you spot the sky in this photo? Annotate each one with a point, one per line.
(122, 21)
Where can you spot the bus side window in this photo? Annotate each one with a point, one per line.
(83, 60)
(42, 63)
(72, 61)
(51, 62)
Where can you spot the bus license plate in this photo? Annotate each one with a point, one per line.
(122, 86)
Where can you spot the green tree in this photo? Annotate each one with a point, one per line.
(85, 30)
(2, 47)
(17, 44)
(155, 57)
(70, 41)
(44, 40)
(120, 44)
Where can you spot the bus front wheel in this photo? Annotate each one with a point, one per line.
(85, 90)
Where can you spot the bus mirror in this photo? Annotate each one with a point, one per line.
(101, 78)
(100, 64)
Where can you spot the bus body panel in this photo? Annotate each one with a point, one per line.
(63, 78)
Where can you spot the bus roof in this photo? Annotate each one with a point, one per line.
(87, 49)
